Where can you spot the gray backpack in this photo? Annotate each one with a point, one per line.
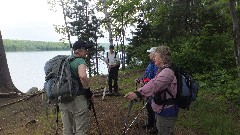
(60, 84)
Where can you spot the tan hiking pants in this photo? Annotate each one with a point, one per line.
(74, 116)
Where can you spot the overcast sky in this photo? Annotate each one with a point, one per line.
(30, 20)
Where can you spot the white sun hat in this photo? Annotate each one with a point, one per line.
(153, 49)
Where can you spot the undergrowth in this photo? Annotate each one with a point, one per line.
(213, 113)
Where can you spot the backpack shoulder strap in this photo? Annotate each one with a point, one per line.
(107, 58)
(115, 54)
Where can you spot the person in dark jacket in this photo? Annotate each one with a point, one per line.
(149, 74)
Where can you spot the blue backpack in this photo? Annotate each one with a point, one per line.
(187, 90)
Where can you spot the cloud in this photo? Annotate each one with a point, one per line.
(28, 20)
(31, 20)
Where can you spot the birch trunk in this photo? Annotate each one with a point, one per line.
(236, 34)
(109, 27)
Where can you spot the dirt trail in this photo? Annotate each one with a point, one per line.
(29, 117)
(23, 118)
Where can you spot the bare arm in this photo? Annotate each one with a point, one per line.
(106, 62)
(83, 75)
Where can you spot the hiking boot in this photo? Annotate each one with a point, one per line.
(153, 130)
(147, 126)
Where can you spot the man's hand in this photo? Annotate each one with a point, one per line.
(88, 94)
(90, 103)
(137, 80)
(111, 66)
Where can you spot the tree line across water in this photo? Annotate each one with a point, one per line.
(28, 45)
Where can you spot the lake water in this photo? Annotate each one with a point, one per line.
(27, 68)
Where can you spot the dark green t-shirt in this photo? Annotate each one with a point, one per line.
(75, 63)
(74, 69)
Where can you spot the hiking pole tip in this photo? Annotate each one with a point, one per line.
(104, 93)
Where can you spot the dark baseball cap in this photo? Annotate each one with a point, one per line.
(81, 44)
(111, 47)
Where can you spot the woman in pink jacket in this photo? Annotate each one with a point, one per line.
(166, 114)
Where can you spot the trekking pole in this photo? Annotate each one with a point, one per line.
(57, 111)
(128, 114)
(95, 116)
(138, 106)
(136, 117)
(145, 117)
(105, 88)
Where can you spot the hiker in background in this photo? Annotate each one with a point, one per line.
(113, 64)
(74, 113)
(166, 115)
(149, 74)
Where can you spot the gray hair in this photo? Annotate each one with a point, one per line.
(165, 54)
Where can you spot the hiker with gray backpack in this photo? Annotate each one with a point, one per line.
(67, 85)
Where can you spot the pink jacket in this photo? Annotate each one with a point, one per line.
(164, 79)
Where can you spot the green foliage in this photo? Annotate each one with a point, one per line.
(198, 32)
(27, 45)
(223, 82)
(207, 52)
(209, 115)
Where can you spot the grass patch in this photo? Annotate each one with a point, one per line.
(210, 115)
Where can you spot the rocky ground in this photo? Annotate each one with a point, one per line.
(31, 116)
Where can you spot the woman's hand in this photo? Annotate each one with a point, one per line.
(131, 96)
(137, 80)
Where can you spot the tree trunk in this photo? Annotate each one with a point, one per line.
(109, 27)
(236, 34)
(6, 84)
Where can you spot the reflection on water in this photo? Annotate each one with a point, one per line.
(27, 68)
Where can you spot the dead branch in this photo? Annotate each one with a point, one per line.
(22, 99)
(9, 95)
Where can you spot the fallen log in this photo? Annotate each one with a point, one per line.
(9, 95)
(27, 96)
(22, 99)
(108, 94)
